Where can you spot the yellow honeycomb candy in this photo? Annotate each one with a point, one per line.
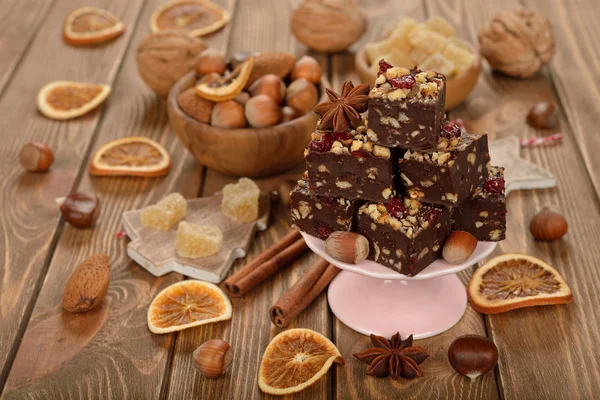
(194, 241)
(240, 200)
(440, 25)
(165, 214)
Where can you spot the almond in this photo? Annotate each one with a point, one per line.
(87, 285)
(348, 247)
(459, 247)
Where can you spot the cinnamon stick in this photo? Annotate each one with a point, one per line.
(266, 269)
(275, 249)
(303, 292)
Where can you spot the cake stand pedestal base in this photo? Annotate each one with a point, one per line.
(422, 308)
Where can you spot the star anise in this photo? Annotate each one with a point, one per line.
(343, 111)
(393, 357)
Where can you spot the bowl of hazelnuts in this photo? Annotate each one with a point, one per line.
(249, 114)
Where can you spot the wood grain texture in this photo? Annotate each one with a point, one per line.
(110, 354)
(440, 380)
(29, 225)
(541, 348)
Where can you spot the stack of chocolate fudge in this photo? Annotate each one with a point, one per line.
(404, 177)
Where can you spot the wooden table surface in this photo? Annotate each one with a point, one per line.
(109, 353)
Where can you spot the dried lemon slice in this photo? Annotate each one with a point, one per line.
(133, 156)
(187, 304)
(294, 360)
(67, 100)
(91, 25)
(196, 17)
(229, 86)
(514, 281)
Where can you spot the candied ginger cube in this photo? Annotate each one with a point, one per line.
(438, 63)
(194, 241)
(462, 58)
(240, 200)
(165, 214)
(425, 40)
(440, 25)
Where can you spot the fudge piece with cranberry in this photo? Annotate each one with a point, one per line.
(449, 174)
(404, 234)
(318, 215)
(483, 215)
(348, 165)
(406, 108)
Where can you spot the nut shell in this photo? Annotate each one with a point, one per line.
(308, 68)
(87, 285)
(458, 247)
(548, 225)
(212, 358)
(301, 95)
(473, 355)
(270, 85)
(228, 114)
(210, 61)
(36, 157)
(277, 63)
(348, 247)
(195, 106)
(262, 111)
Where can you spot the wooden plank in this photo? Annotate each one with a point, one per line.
(28, 212)
(255, 27)
(109, 353)
(540, 348)
(19, 20)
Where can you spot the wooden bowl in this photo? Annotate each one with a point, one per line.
(250, 152)
(457, 89)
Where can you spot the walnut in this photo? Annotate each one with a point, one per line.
(328, 25)
(518, 43)
(164, 57)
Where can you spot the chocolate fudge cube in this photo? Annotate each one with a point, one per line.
(350, 166)
(483, 215)
(404, 234)
(406, 108)
(320, 216)
(448, 175)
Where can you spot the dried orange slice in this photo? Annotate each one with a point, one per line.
(91, 25)
(514, 281)
(67, 100)
(133, 156)
(187, 304)
(227, 87)
(294, 360)
(196, 17)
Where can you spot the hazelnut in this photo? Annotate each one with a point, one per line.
(301, 95)
(458, 247)
(542, 115)
(289, 113)
(228, 114)
(80, 209)
(210, 61)
(36, 157)
(548, 225)
(308, 68)
(473, 355)
(242, 98)
(348, 247)
(271, 85)
(195, 106)
(262, 111)
(212, 358)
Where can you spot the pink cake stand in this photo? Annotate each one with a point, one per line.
(371, 298)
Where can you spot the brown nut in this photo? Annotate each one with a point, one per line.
(210, 61)
(473, 355)
(195, 106)
(542, 115)
(288, 113)
(212, 358)
(87, 285)
(458, 247)
(36, 157)
(548, 225)
(301, 95)
(308, 68)
(80, 209)
(262, 111)
(271, 85)
(242, 98)
(228, 114)
(348, 247)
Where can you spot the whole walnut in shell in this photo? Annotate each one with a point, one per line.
(328, 25)
(164, 57)
(518, 42)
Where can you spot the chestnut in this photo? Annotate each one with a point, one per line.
(473, 355)
(301, 95)
(262, 111)
(210, 61)
(36, 157)
(212, 358)
(80, 209)
(542, 115)
(228, 114)
(271, 85)
(308, 68)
